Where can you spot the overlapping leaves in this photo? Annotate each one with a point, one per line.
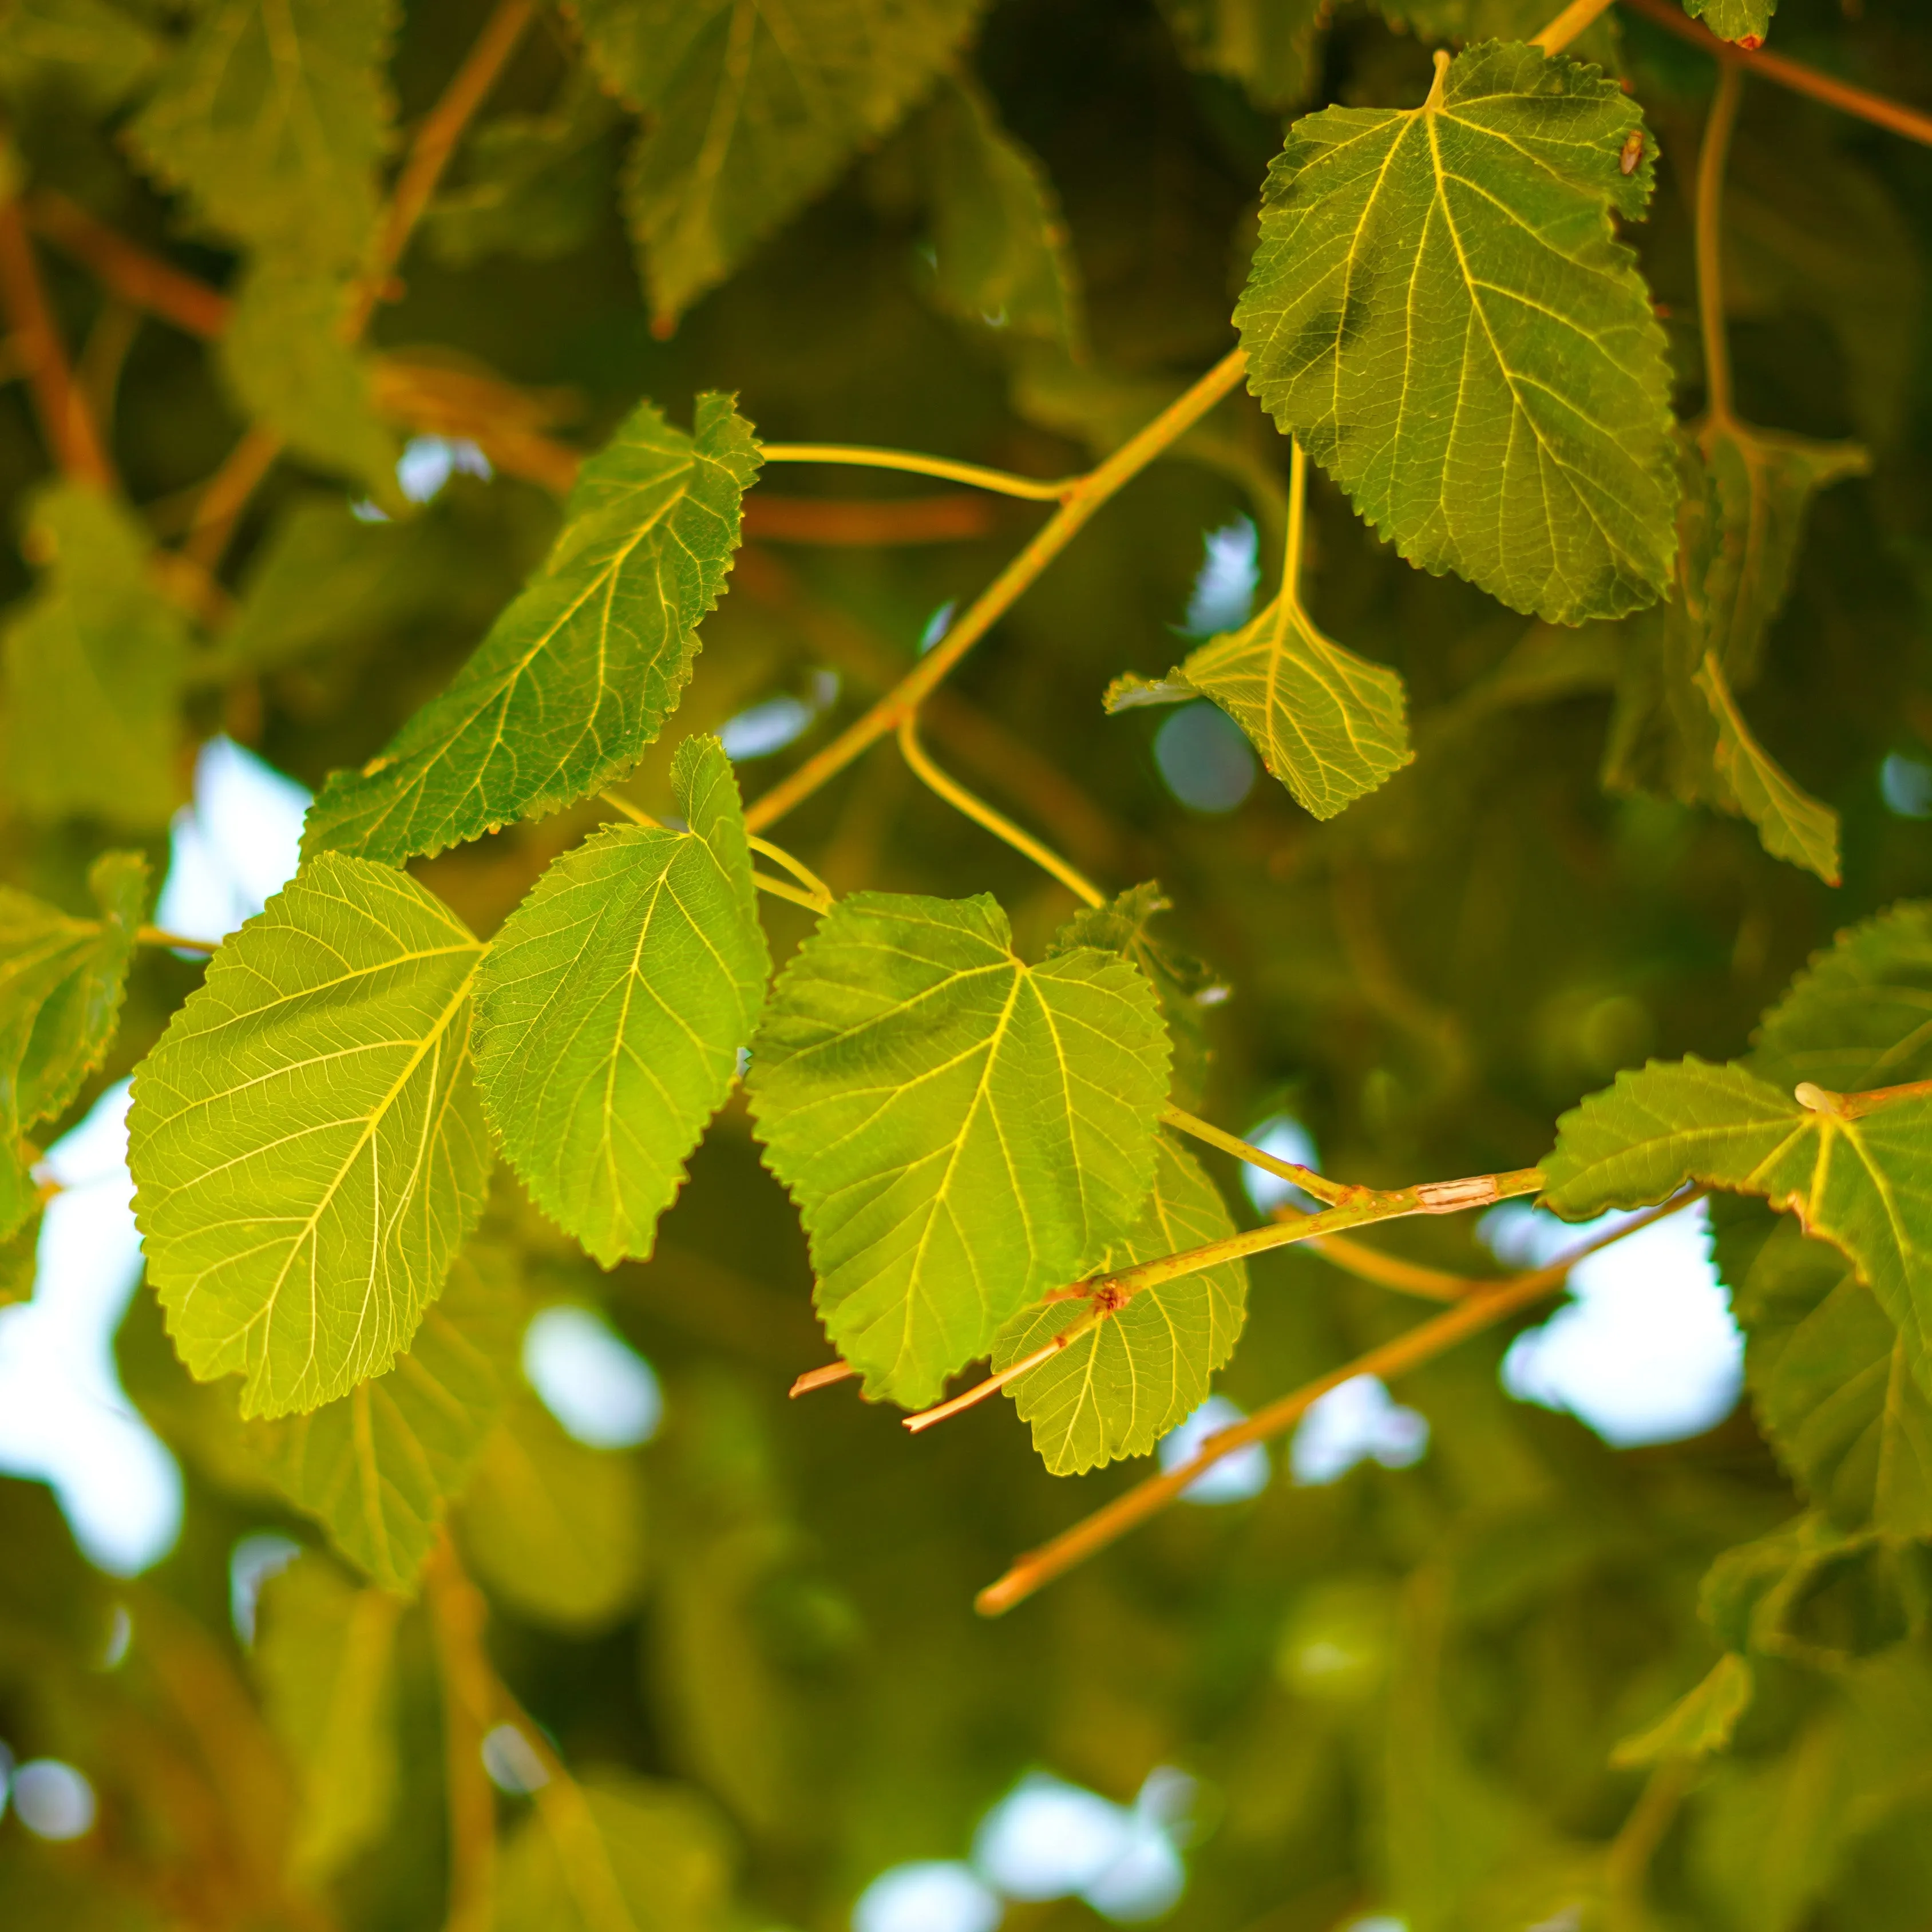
(962, 1131)
(306, 1144)
(1439, 310)
(578, 675)
(613, 1007)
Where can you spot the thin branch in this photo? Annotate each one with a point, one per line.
(797, 868)
(457, 1619)
(1627, 1862)
(992, 1384)
(72, 438)
(435, 142)
(1485, 1304)
(636, 813)
(1574, 19)
(226, 495)
(997, 822)
(815, 896)
(124, 268)
(1860, 101)
(824, 1378)
(1085, 498)
(783, 888)
(1711, 153)
(1003, 481)
(1357, 1258)
(1852, 1106)
(1333, 1191)
(1297, 527)
(155, 935)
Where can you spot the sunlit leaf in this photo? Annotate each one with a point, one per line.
(1699, 1723)
(274, 118)
(94, 664)
(614, 1006)
(1734, 19)
(1439, 310)
(752, 113)
(578, 675)
(1793, 825)
(962, 1131)
(306, 1144)
(62, 983)
(377, 1467)
(1116, 1389)
(18, 1254)
(555, 1530)
(323, 1654)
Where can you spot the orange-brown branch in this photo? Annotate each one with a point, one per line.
(65, 421)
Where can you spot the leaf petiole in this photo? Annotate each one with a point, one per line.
(856, 456)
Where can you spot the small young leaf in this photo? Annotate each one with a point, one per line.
(306, 1141)
(1439, 310)
(1830, 1378)
(1863, 1182)
(377, 1467)
(611, 1010)
(324, 1655)
(85, 51)
(1329, 724)
(555, 1530)
(1699, 1723)
(62, 982)
(1117, 1389)
(998, 237)
(94, 664)
(653, 1857)
(1793, 825)
(753, 113)
(1734, 19)
(579, 674)
(962, 1131)
(274, 119)
(1267, 45)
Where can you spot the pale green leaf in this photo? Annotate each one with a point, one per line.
(1861, 1181)
(634, 1854)
(19, 1253)
(307, 1148)
(1438, 309)
(1734, 19)
(1830, 1377)
(578, 676)
(999, 240)
(612, 1006)
(962, 1131)
(274, 116)
(377, 1467)
(754, 111)
(94, 664)
(1329, 724)
(324, 1654)
(1700, 1722)
(554, 1530)
(88, 51)
(1792, 824)
(1117, 1388)
(62, 983)
(293, 372)
(1267, 45)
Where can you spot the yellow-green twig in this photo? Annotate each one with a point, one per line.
(1711, 156)
(814, 895)
(153, 935)
(1572, 20)
(857, 456)
(798, 868)
(1333, 1191)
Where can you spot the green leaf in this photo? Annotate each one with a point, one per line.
(1830, 1377)
(555, 1530)
(999, 239)
(18, 1254)
(1699, 1723)
(84, 51)
(1185, 986)
(1793, 825)
(537, 186)
(94, 664)
(1439, 311)
(1861, 1180)
(274, 119)
(752, 113)
(1329, 724)
(62, 983)
(307, 1148)
(377, 1467)
(612, 1006)
(962, 1131)
(324, 1657)
(1734, 19)
(1118, 1388)
(293, 372)
(649, 1856)
(1267, 45)
(579, 674)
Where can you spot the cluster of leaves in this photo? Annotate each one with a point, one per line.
(1476, 394)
